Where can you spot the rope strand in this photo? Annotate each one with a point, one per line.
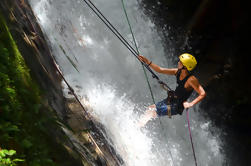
(149, 86)
(190, 134)
(122, 39)
(134, 40)
(129, 47)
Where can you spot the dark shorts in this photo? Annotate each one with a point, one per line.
(162, 108)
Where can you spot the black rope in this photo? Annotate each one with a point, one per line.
(123, 40)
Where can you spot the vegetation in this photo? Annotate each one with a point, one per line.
(6, 160)
(23, 119)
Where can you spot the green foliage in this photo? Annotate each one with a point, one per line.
(23, 124)
(6, 158)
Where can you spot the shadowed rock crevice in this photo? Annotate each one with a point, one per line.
(216, 32)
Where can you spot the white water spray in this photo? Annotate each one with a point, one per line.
(114, 83)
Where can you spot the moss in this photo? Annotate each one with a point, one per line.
(23, 117)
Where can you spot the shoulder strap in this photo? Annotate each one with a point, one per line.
(178, 75)
(178, 72)
(186, 78)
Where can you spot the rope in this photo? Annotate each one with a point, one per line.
(70, 88)
(129, 47)
(135, 53)
(190, 134)
(86, 114)
(135, 43)
(123, 40)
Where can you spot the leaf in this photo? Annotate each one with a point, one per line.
(12, 128)
(26, 143)
(8, 161)
(2, 154)
(36, 108)
(10, 90)
(69, 59)
(11, 152)
(18, 160)
(5, 137)
(61, 47)
(48, 161)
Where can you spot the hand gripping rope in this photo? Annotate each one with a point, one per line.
(161, 83)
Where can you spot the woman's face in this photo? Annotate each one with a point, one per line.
(180, 65)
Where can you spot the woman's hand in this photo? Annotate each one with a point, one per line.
(187, 105)
(143, 59)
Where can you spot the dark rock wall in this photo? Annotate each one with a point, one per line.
(80, 141)
(216, 32)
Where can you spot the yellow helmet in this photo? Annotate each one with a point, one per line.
(188, 61)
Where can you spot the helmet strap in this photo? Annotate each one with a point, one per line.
(189, 72)
(184, 68)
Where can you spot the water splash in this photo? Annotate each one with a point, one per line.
(115, 86)
(119, 116)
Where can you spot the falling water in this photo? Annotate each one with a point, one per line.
(101, 69)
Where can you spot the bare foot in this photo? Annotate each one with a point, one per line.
(146, 117)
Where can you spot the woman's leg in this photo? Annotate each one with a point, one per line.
(150, 113)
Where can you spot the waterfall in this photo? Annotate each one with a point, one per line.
(110, 78)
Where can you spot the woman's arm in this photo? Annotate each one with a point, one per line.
(158, 68)
(194, 83)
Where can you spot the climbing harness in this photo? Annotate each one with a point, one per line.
(135, 53)
(162, 84)
(190, 134)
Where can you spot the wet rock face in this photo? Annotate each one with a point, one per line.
(80, 138)
(216, 33)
